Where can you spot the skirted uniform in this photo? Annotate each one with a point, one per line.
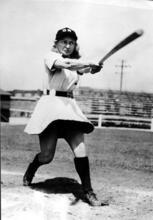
(59, 110)
(58, 107)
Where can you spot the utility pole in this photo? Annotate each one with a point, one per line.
(122, 66)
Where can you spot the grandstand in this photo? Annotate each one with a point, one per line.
(116, 103)
(112, 108)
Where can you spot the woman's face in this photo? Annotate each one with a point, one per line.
(66, 46)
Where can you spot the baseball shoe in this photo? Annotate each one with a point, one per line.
(93, 201)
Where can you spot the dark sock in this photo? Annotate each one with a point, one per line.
(82, 167)
(35, 164)
(31, 170)
(36, 161)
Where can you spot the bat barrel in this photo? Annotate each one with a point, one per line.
(122, 44)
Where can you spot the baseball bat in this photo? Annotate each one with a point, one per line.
(122, 44)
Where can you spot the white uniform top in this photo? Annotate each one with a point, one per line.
(59, 79)
(51, 108)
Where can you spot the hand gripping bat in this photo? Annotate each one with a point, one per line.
(122, 44)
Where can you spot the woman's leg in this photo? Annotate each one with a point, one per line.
(76, 141)
(48, 140)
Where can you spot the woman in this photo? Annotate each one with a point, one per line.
(57, 115)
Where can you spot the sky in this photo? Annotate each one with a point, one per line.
(28, 29)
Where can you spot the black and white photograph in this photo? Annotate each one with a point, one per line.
(76, 106)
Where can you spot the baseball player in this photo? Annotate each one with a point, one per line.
(57, 114)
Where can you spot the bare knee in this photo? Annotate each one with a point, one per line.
(80, 150)
(76, 142)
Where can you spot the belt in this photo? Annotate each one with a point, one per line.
(62, 93)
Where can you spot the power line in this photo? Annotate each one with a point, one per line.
(122, 67)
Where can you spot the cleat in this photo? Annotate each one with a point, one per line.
(92, 199)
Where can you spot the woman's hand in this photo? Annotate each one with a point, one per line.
(95, 68)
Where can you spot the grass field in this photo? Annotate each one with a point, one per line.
(127, 149)
(121, 170)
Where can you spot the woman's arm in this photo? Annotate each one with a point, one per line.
(77, 65)
(70, 64)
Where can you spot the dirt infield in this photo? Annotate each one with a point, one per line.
(121, 169)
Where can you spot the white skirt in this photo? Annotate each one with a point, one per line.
(52, 108)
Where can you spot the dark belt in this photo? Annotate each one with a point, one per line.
(63, 94)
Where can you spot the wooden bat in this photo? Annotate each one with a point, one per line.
(122, 44)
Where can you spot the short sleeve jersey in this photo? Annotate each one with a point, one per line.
(59, 79)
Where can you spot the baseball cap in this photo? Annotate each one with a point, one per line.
(66, 32)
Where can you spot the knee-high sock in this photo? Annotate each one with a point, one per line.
(35, 164)
(82, 168)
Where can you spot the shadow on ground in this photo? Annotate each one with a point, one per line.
(61, 185)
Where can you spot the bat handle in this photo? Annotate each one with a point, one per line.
(101, 62)
(103, 59)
